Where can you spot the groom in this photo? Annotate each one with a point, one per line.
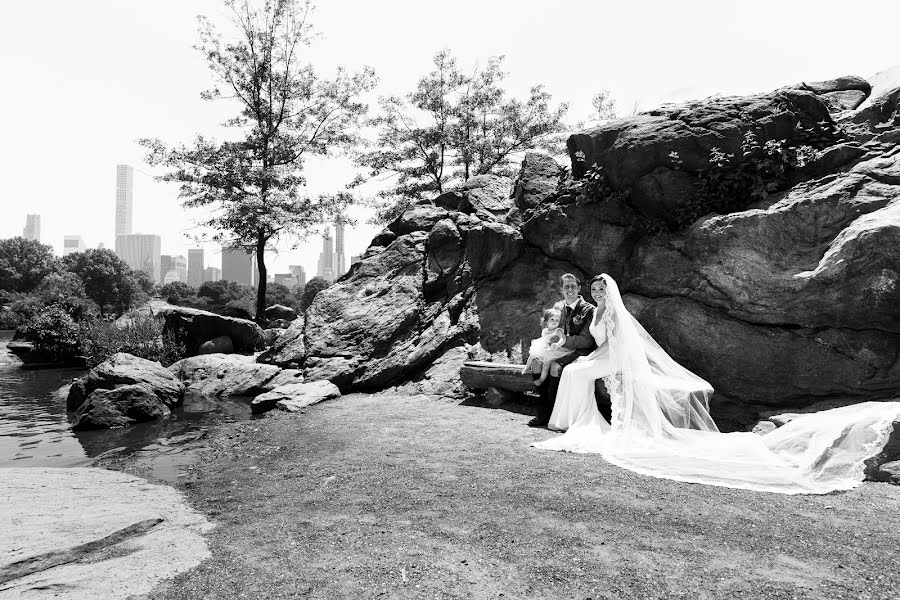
(575, 322)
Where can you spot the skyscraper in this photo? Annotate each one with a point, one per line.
(212, 274)
(32, 229)
(72, 244)
(165, 265)
(124, 198)
(195, 267)
(141, 252)
(340, 263)
(326, 258)
(299, 274)
(239, 266)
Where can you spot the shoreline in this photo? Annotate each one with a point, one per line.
(408, 497)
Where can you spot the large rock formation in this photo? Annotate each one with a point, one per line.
(125, 369)
(230, 375)
(122, 390)
(194, 327)
(793, 300)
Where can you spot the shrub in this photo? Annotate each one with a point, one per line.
(312, 289)
(54, 333)
(138, 333)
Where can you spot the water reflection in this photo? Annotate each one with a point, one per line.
(35, 429)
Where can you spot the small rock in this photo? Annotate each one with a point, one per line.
(295, 396)
(221, 344)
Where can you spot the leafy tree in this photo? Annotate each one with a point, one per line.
(107, 279)
(178, 292)
(312, 289)
(53, 333)
(604, 105)
(222, 292)
(66, 289)
(452, 127)
(277, 293)
(24, 263)
(286, 112)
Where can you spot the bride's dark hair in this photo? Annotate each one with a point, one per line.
(594, 279)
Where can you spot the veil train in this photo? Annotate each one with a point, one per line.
(661, 426)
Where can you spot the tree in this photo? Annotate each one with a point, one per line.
(313, 287)
(221, 292)
(286, 112)
(177, 292)
(278, 293)
(107, 279)
(604, 105)
(24, 263)
(452, 127)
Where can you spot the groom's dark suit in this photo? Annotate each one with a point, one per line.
(575, 323)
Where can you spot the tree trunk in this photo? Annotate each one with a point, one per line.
(263, 276)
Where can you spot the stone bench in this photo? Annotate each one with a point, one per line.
(503, 381)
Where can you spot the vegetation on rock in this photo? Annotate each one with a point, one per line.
(452, 127)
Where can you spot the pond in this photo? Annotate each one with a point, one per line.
(35, 427)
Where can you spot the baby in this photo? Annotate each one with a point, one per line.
(548, 347)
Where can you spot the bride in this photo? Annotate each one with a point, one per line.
(661, 424)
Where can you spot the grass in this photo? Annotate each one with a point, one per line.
(398, 497)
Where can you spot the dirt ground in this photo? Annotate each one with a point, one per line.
(399, 497)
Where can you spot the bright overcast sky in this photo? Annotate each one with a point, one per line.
(82, 81)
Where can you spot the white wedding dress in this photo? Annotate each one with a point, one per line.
(661, 424)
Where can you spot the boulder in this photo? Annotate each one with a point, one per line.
(270, 336)
(538, 179)
(444, 253)
(420, 217)
(824, 255)
(279, 311)
(226, 375)
(489, 197)
(118, 407)
(287, 348)
(124, 369)
(768, 365)
(279, 324)
(219, 345)
(491, 247)
(844, 100)
(441, 378)
(628, 149)
(840, 84)
(194, 327)
(294, 397)
(598, 237)
(879, 111)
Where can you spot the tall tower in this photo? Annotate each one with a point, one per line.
(141, 252)
(124, 197)
(32, 229)
(238, 265)
(340, 263)
(195, 267)
(326, 258)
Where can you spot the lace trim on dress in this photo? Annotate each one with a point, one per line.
(613, 381)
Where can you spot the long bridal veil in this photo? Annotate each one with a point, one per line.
(661, 426)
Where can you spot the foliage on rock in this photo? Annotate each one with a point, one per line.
(54, 333)
(140, 335)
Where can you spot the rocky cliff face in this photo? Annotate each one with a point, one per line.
(792, 300)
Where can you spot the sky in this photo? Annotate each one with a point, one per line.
(83, 81)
